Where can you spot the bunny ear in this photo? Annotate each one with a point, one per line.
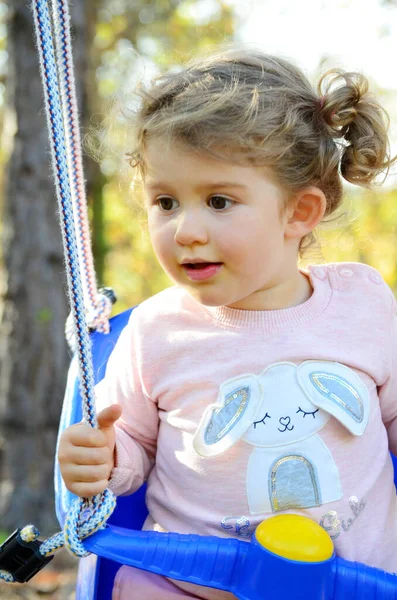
(224, 422)
(337, 390)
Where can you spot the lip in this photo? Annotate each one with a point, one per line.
(201, 274)
(194, 261)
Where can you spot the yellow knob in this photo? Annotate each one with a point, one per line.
(295, 537)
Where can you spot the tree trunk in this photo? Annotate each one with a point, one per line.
(96, 180)
(33, 352)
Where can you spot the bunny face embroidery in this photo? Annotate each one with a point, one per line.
(279, 413)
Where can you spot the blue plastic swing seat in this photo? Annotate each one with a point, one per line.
(214, 562)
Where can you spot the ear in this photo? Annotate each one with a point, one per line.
(338, 390)
(304, 212)
(226, 421)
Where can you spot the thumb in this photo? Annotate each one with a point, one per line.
(108, 416)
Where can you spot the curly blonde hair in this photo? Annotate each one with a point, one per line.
(261, 109)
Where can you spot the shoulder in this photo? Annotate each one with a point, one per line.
(170, 304)
(360, 284)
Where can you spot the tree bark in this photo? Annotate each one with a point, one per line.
(33, 352)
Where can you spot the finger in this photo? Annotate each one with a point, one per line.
(85, 436)
(79, 455)
(86, 490)
(86, 473)
(108, 416)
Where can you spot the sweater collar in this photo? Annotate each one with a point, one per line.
(281, 319)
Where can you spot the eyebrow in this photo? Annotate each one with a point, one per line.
(205, 186)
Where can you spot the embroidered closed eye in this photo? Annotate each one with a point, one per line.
(313, 413)
(262, 420)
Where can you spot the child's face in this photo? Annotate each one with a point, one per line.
(224, 217)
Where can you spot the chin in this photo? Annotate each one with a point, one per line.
(207, 299)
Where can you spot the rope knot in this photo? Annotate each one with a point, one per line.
(97, 318)
(84, 518)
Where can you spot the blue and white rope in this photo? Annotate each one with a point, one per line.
(98, 305)
(57, 127)
(62, 183)
(78, 524)
(86, 515)
(6, 576)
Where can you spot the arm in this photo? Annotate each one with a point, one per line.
(120, 453)
(137, 428)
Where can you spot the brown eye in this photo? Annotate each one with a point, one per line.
(166, 203)
(219, 202)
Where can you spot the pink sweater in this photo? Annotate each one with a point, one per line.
(235, 415)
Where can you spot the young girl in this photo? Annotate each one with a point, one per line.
(251, 387)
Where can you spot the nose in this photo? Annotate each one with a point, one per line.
(190, 229)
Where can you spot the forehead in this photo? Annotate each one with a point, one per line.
(172, 161)
(162, 155)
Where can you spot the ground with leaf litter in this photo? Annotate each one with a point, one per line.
(57, 581)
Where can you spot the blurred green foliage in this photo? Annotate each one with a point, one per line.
(365, 232)
(132, 40)
(3, 536)
(131, 45)
(168, 32)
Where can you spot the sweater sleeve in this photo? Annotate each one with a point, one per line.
(137, 428)
(388, 391)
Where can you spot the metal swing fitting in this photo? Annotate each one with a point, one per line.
(22, 559)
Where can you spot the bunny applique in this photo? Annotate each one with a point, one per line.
(279, 413)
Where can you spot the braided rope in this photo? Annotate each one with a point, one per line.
(97, 305)
(78, 526)
(61, 20)
(6, 576)
(86, 515)
(99, 508)
(59, 161)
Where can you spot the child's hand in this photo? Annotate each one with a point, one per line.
(86, 455)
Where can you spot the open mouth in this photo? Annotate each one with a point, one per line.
(202, 265)
(201, 270)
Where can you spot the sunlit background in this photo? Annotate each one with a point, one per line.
(137, 39)
(117, 43)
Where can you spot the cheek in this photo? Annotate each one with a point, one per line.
(161, 238)
(250, 247)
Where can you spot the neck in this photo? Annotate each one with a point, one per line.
(292, 291)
